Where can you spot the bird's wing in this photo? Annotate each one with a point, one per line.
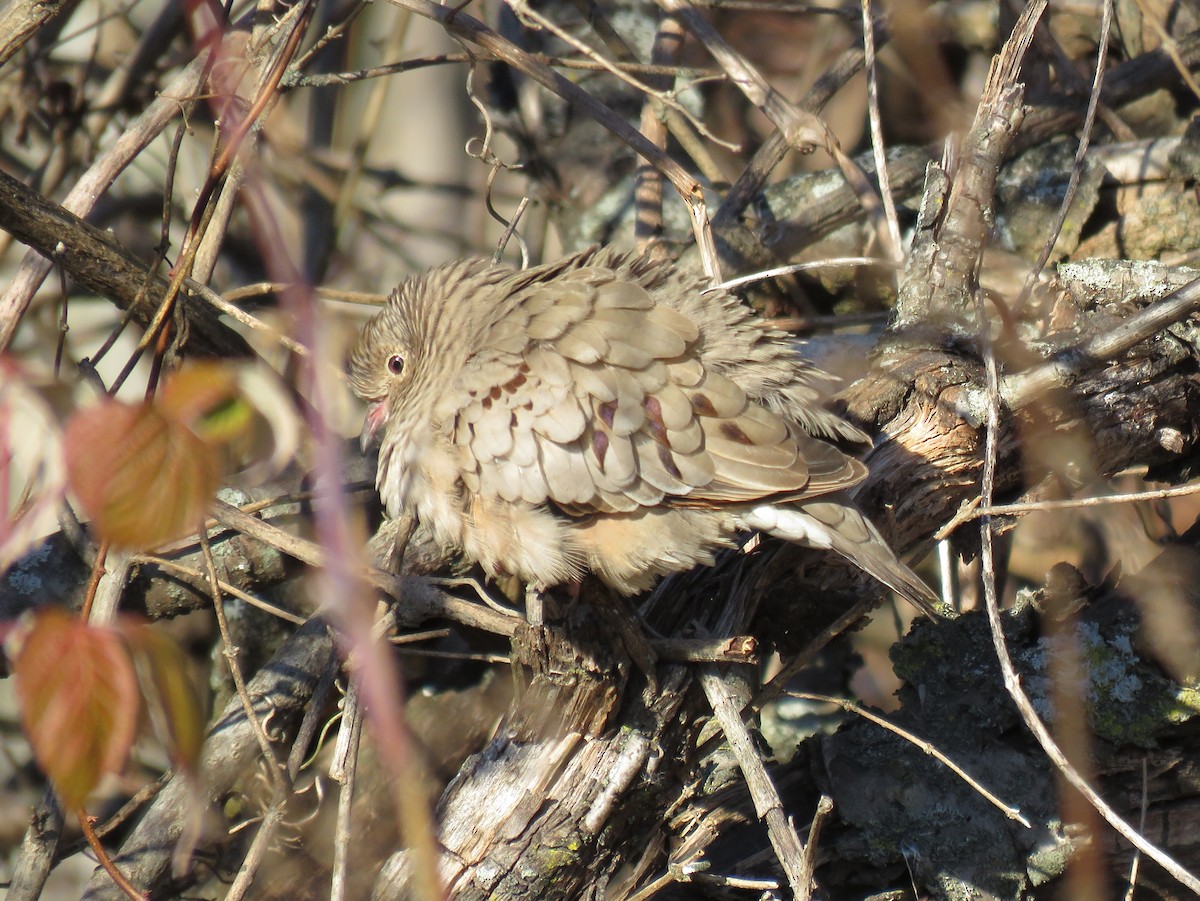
(590, 394)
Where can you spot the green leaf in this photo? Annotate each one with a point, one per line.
(175, 708)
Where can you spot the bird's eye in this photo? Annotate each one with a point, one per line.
(395, 364)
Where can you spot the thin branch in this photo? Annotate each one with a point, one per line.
(1066, 366)
(1085, 136)
(123, 883)
(470, 29)
(1135, 864)
(231, 651)
(238, 314)
(39, 847)
(1012, 682)
(94, 259)
(779, 681)
(824, 808)
(421, 599)
(528, 14)
(344, 769)
(894, 248)
(441, 59)
(225, 156)
(265, 606)
(793, 268)
(776, 146)
(263, 839)
(927, 747)
(20, 20)
(1078, 502)
(788, 848)
(90, 187)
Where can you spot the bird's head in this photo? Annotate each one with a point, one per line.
(411, 350)
(380, 366)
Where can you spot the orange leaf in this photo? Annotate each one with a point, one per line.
(142, 477)
(175, 708)
(79, 701)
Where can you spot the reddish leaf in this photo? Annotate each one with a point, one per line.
(142, 477)
(175, 708)
(79, 701)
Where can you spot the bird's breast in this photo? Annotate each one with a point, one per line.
(419, 473)
(398, 458)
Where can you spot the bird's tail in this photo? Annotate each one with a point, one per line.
(839, 526)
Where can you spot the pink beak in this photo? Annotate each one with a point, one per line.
(376, 416)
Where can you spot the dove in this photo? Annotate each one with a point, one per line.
(606, 414)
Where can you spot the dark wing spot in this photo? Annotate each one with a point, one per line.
(702, 405)
(515, 382)
(668, 462)
(600, 446)
(731, 431)
(658, 431)
(607, 411)
(494, 394)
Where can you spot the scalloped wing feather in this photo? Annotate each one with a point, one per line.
(592, 396)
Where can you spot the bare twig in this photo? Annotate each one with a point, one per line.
(1085, 137)
(106, 862)
(267, 828)
(824, 809)
(237, 313)
(656, 92)
(1066, 366)
(793, 268)
(788, 847)
(775, 147)
(645, 70)
(95, 182)
(39, 847)
(96, 260)
(344, 770)
(22, 19)
(231, 651)
(893, 247)
(1079, 502)
(265, 606)
(803, 130)
(942, 268)
(421, 599)
(1012, 682)
(476, 32)
(779, 681)
(284, 685)
(210, 209)
(1135, 864)
(928, 747)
